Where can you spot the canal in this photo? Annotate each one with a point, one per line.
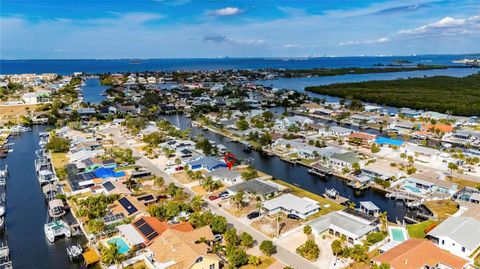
(297, 174)
(26, 211)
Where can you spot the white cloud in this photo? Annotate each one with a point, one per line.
(228, 11)
(373, 41)
(447, 26)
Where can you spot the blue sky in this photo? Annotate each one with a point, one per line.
(69, 29)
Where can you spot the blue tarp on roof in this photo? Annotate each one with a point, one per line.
(108, 172)
(388, 141)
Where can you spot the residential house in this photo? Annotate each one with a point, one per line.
(184, 250)
(225, 175)
(419, 253)
(129, 206)
(458, 235)
(336, 131)
(143, 231)
(291, 204)
(310, 107)
(255, 187)
(361, 138)
(421, 153)
(352, 224)
(342, 160)
(205, 162)
(382, 170)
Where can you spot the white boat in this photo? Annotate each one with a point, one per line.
(56, 228)
(2, 210)
(74, 251)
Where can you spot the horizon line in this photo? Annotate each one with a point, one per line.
(242, 57)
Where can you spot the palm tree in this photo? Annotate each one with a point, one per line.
(110, 255)
(383, 216)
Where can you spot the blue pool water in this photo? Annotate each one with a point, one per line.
(412, 188)
(389, 141)
(122, 246)
(397, 234)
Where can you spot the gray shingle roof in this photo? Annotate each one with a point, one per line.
(254, 186)
(465, 231)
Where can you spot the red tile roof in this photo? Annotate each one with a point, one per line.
(416, 253)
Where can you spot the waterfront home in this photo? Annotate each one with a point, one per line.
(335, 131)
(176, 144)
(293, 120)
(205, 162)
(291, 204)
(382, 170)
(442, 128)
(433, 115)
(308, 152)
(419, 184)
(458, 235)
(468, 194)
(84, 154)
(225, 175)
(289, 144)
(410, 113)
(404, 125)
(143, 231)
(373, 109)
(352, 224)
(361, 138)
(310, 107)
(342, 160)
(129, 206)
(255, 187)
(419, 253)
(178, 249)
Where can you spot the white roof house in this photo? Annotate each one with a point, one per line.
(459, 235)
(130, 234)
(341, 223)
(226, 175)
(291, 204)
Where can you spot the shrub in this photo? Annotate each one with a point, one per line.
(268, 248)
(309, 250)
(58, 144)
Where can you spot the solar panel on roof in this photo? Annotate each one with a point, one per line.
(146, 229)
(128, 205)
(108, 186)
(153, 235)
(139, 222)
(146, 197)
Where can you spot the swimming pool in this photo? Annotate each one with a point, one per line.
(122, 245)
(412, 188)
(388, 141)
(398, 234)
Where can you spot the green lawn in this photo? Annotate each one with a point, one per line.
(417, 230)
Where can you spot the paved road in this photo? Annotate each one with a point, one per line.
(283, 255)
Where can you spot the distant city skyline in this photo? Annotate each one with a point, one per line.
(210, 29)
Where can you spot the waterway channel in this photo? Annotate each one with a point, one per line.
(26, 211)
(297, 174)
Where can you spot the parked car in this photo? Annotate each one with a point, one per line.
(213, 197)
(217, 237)
(224, 193)
(179, 168)
(254, 214)
(293, 216)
